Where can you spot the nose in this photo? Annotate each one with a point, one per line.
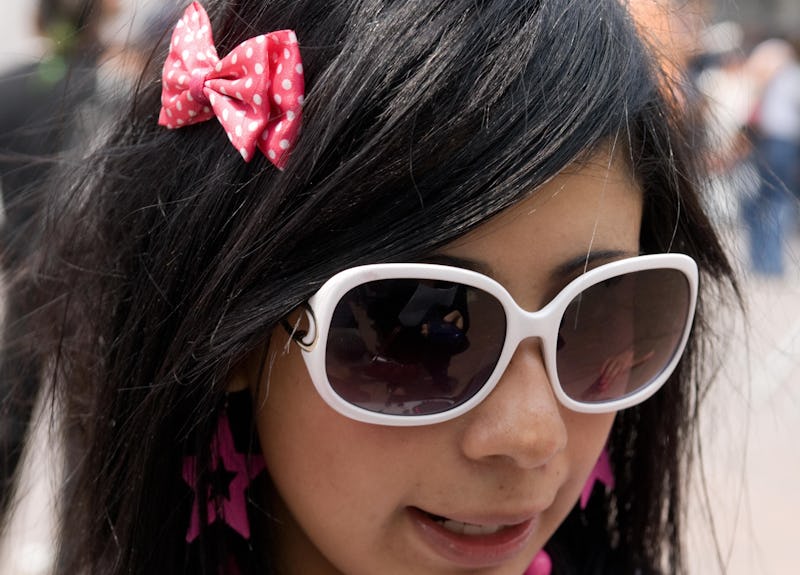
(521, 419)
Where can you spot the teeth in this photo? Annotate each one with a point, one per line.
(469, 528)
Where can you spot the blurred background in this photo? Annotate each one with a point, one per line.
(66, 66)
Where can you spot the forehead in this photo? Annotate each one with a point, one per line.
(591, 206)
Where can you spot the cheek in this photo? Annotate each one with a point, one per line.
(305, 443)
(587, 434)
(336, 481)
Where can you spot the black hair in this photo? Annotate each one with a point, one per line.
(168, 260)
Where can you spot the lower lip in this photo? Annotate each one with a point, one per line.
(473, 551)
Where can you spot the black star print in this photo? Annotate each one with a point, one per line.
(221, 480)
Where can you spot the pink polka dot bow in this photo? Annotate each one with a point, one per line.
(256, 91)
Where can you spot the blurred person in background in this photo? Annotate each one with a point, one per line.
(39, 110)
(51, 112)
(43, 107)
(775, 123)
(704, 68)
(727, 94)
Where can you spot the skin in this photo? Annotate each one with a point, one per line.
(343, 489)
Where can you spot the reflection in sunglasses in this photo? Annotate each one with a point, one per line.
(612, 370)
(394, 342)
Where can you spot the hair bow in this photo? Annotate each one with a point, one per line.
(256, 91)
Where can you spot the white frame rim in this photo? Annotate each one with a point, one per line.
(545, 323)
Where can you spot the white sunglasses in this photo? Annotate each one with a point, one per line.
(416, 344)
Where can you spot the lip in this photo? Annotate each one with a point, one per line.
(476, 551)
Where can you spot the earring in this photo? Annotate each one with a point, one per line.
(231, 473)
(541, 564)
(601, 473)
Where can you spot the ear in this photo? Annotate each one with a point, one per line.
(238, 379)
(245, 373)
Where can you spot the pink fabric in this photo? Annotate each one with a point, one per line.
(602, 473)
(256, 91)
(541, 564)
(243, 467)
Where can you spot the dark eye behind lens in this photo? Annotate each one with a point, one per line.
(405, 346)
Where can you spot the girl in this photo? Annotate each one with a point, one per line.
(404, 339)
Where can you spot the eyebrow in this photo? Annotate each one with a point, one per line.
(454, 261)
(581, 262)
(566, 269)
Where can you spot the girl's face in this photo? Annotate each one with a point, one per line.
(356, 498)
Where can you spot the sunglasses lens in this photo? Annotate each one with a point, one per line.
(617, 336)
(413, 347)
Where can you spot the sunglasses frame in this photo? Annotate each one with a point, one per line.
(520, 325)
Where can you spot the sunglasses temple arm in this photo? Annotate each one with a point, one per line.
(297, 334)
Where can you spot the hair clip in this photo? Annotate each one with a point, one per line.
(256, 91)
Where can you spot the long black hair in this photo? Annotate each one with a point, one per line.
(168, 260)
